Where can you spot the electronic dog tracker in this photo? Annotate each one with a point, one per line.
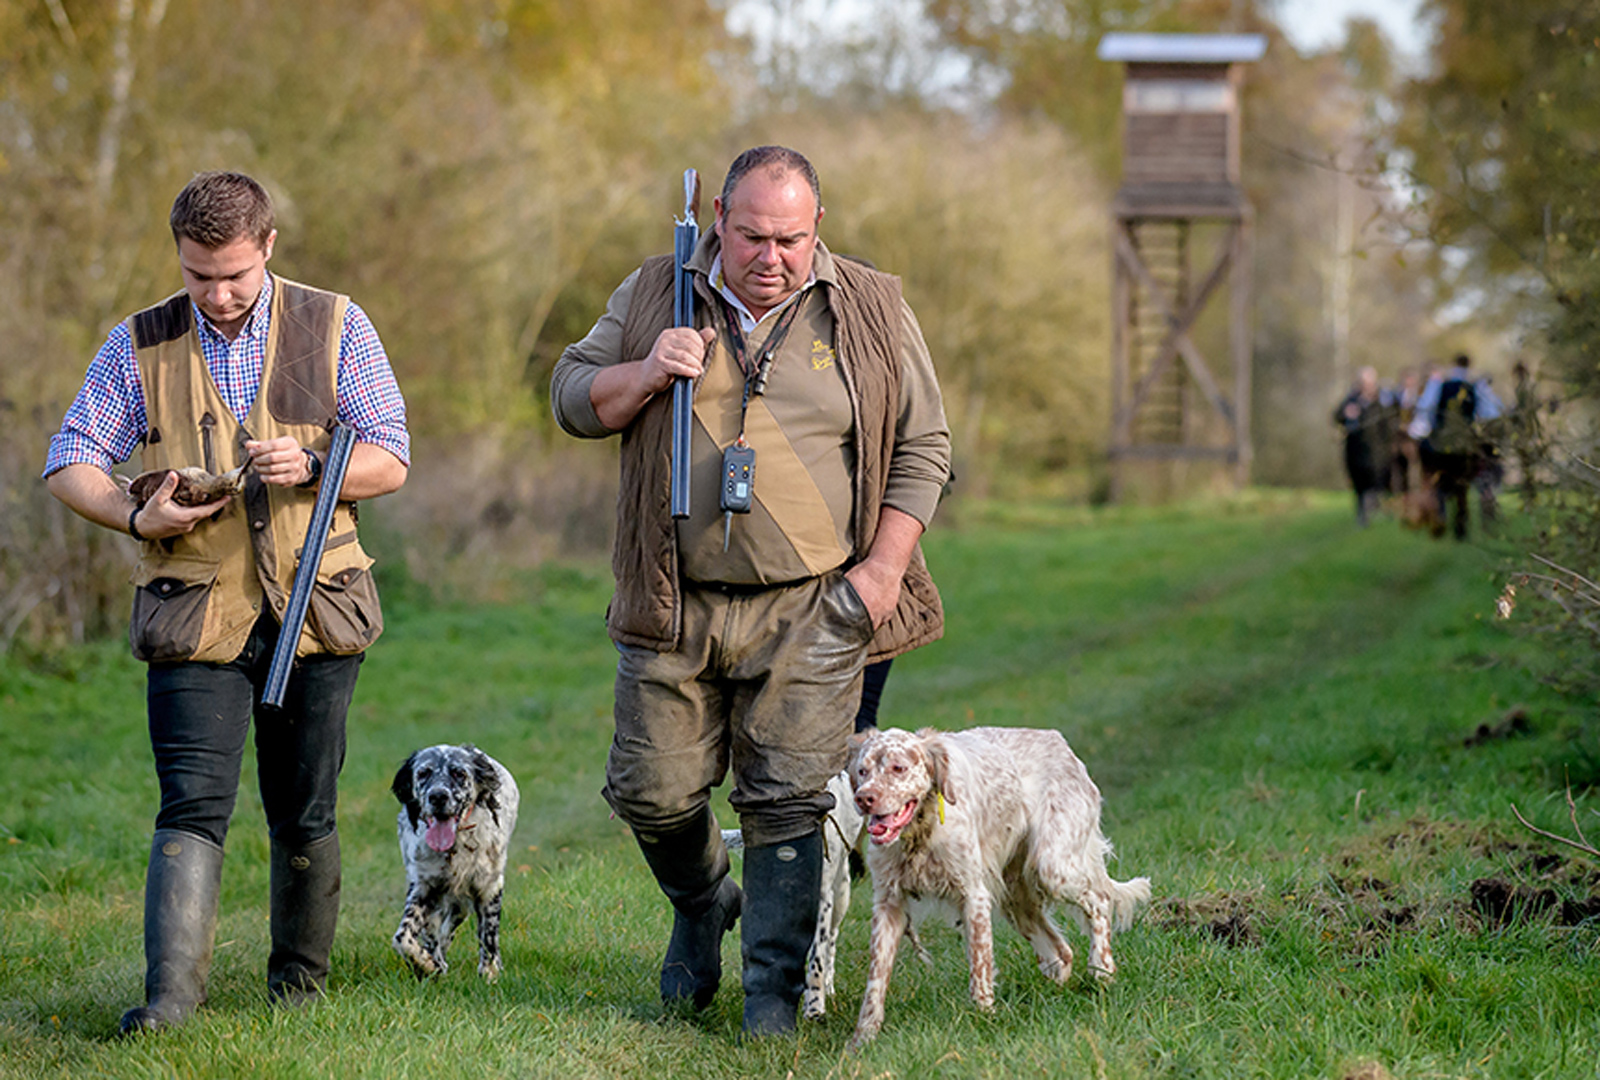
(738, 484)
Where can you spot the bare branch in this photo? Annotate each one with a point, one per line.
(58, 15)
(1584, 847)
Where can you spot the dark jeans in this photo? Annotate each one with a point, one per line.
(199, 715)
(1453, 475)
(872, 680)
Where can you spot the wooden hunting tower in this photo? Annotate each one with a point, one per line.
(1180, 196)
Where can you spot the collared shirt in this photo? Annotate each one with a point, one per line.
(106, 422)
(1486, 405)
(747, 321)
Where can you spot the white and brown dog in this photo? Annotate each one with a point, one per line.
(458, 809)
(963, 820)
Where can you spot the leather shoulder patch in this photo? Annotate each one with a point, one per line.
(302, 390)
(167, 321)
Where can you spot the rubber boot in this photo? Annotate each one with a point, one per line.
(691, 866)
(783, 886)
(180, 929)
(305, 911)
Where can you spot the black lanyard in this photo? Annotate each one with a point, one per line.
(755, 378)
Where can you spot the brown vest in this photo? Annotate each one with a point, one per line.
(198, 595)
(866, 308)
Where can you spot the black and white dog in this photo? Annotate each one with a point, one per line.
(458, 809)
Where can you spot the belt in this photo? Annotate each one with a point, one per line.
(742, 588)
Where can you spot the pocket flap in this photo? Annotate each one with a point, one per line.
(342, 560)
(186, 570)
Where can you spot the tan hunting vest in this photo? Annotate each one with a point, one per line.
(198, 595)
(646, 609)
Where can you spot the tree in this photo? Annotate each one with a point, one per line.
(1504, 136)
(453, 164)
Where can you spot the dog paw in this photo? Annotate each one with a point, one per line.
(814, 1005)
(422, 964)
(1056, 970)
(489, 969)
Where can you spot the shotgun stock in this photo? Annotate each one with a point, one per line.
(305, 575)
(684, 239)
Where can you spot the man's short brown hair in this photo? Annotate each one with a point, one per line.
(779, 160)
(216, 208)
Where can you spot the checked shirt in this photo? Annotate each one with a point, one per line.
(106, 421)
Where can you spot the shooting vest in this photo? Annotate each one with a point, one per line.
(647, 608)
(197, 596)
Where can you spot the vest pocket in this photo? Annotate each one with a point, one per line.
(170, 599)
(344, 612)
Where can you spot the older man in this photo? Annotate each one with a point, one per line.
(239, 368)
(742, 636)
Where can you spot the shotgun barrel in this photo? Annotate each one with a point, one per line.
(684, 239)
(305, 575)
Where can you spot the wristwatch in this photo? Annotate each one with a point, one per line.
(316, 469)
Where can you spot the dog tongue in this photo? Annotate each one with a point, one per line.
(885, 828)
(441, 835)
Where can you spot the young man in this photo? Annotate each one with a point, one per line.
(742, 637)
(240, 368)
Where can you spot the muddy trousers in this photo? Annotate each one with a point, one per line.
(765, 682)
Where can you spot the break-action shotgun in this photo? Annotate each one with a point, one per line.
(684, 239)
(305, 575)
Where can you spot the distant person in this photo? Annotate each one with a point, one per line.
(1404, 460)
(1447, 426)
(1365, 417)
(239, 368)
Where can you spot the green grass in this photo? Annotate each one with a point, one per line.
(1274, 703)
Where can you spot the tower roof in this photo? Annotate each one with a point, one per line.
(1183, 48)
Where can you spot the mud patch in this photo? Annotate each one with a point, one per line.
(1513, 724)
(1424, 839)
(1384, 886)
(1502, 903)
(1226, 917)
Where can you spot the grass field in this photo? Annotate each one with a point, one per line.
(1276, 705)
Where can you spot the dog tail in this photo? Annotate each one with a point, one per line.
(1127, 897)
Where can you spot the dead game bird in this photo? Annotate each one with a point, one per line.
(196, 487)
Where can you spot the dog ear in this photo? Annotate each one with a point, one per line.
(487, 779)
(938, 762)
(404, 791)
(855, 743)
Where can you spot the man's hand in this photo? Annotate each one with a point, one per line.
(280, 461)
(878, 586)
(161, 517)
(678, 351)
(620, 391)
(877, 578)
